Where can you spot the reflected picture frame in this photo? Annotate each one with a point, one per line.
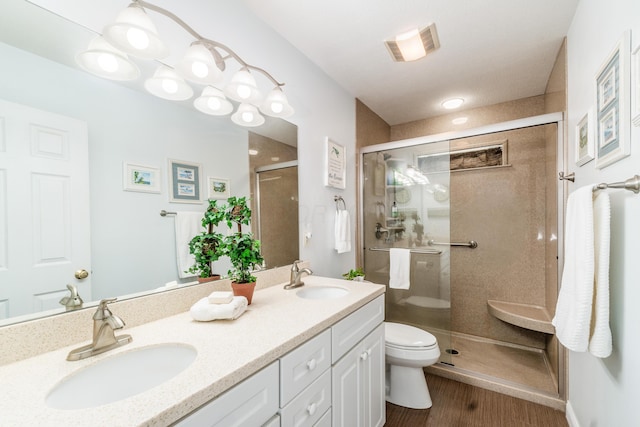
(635, 82)
(612, 118)
(184, 181)
(218, 188)
(584, 146)
(141, 178)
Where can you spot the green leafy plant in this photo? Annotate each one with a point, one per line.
(241, 248)
(352, 274)
(209, 245)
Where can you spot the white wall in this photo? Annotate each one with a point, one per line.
(606, 392)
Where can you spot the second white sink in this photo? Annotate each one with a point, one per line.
(322, 292)
(121, 376)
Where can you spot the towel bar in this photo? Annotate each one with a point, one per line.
(413, 251)
(165, 213)
(631, 184)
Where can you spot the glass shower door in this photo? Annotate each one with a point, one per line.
(406, 205)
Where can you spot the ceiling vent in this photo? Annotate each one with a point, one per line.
(414, 44)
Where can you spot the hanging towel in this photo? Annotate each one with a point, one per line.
(188, 224)
(399, 268)
(342, 231)
(203, 311)
(573, 310)
(600, 342)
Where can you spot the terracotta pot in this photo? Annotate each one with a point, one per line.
(243, 290)
(208, 279)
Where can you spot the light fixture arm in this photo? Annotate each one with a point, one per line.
(207, 42)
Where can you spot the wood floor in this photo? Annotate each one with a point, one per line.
(461, 405)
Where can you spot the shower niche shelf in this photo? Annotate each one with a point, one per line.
(528, 316)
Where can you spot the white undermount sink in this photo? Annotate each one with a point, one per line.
(121, 376)
(322, 292)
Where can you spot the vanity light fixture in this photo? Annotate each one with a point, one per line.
(203, 63)
(452, 103)
(414, 44)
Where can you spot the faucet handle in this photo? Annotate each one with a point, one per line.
(294, 266)
(103, 312)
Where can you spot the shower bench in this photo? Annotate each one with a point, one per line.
(528, 316)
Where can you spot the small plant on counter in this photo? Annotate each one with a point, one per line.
(354, 274)
(209, 245)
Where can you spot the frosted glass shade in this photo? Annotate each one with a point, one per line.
(199, 66)
(104, 60)
(134, 33)
(167, 84)
(243, 88)
(213, 102)
(247, 115)
(276, 104)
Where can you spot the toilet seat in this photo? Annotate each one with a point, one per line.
(407, 337)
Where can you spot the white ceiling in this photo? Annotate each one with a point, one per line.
(491, 50)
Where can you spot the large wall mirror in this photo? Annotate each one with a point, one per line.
(130, 247)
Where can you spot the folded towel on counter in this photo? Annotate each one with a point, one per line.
(203, 311)
(399, 268)
(600, 341)
(220, 297)
(187, 225)
(342, 231)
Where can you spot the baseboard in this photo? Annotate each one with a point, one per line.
(571, 416)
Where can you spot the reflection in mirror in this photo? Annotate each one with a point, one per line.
(68, 116)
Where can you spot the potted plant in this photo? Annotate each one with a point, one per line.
(241, 248)
(209, 245)
(357, 275)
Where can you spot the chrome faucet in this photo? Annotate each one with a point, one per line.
(104, 339)
(296, 274)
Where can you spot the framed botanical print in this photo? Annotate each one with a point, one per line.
(584, 139)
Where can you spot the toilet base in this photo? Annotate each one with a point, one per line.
(407, 387)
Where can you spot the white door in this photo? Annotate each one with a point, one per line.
(44, 209)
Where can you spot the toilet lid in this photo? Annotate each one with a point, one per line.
(401, 335)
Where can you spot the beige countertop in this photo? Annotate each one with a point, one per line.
(276, 322)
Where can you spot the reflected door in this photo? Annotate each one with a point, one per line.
(44, 195)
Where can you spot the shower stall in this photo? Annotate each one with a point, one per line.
(481, 213)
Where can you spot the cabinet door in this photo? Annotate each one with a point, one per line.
(346, 396)
(374, 378)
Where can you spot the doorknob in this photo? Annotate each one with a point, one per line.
(81, 274)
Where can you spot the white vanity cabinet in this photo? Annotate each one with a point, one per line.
(253, 402)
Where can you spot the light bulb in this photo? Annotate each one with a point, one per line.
(214, 103)
(244, 91)
(247, 116)
(169, 86)
(277, 107)
(108, 62)
(199, 69)
(137, 38)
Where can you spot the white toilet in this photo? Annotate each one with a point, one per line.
(408, 350)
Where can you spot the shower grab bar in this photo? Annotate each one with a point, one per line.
(413, 251)
(470, 244)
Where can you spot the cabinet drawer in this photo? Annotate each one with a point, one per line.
(350, 330)
(325, 421)
(310, 405)
(302, 366)
(252, 402)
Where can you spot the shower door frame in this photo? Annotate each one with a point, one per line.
(562, 193)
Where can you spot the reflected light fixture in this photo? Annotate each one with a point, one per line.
(104, 60)
(452, 103)
(413, 44)
(133, 33)
(459, 120)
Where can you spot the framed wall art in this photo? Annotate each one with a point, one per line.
(635, 82)
(184, 182)
(335, 173)
(141, 178)
(612, 116)
(584, 139)
(218, 188)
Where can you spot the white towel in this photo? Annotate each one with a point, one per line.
(399, 268)
(586, 265)
(202, 311)
(220, 297)
(600, 342)
(188, 224)
(342, 232)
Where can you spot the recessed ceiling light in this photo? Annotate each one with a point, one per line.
(275, 159)
(413, 44)
(459, 120)
(452, 103)
(253, 152)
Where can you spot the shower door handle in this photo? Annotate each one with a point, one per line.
(470, 244)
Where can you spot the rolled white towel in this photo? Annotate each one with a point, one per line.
(202, 311)
(220, 297)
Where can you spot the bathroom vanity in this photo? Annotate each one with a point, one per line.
(313, 360)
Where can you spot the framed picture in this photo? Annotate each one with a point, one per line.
(612, 118)
(335, 173)
(184, 182)
(584, 145)
(635, 66)
(218, 188)
(145, 179)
